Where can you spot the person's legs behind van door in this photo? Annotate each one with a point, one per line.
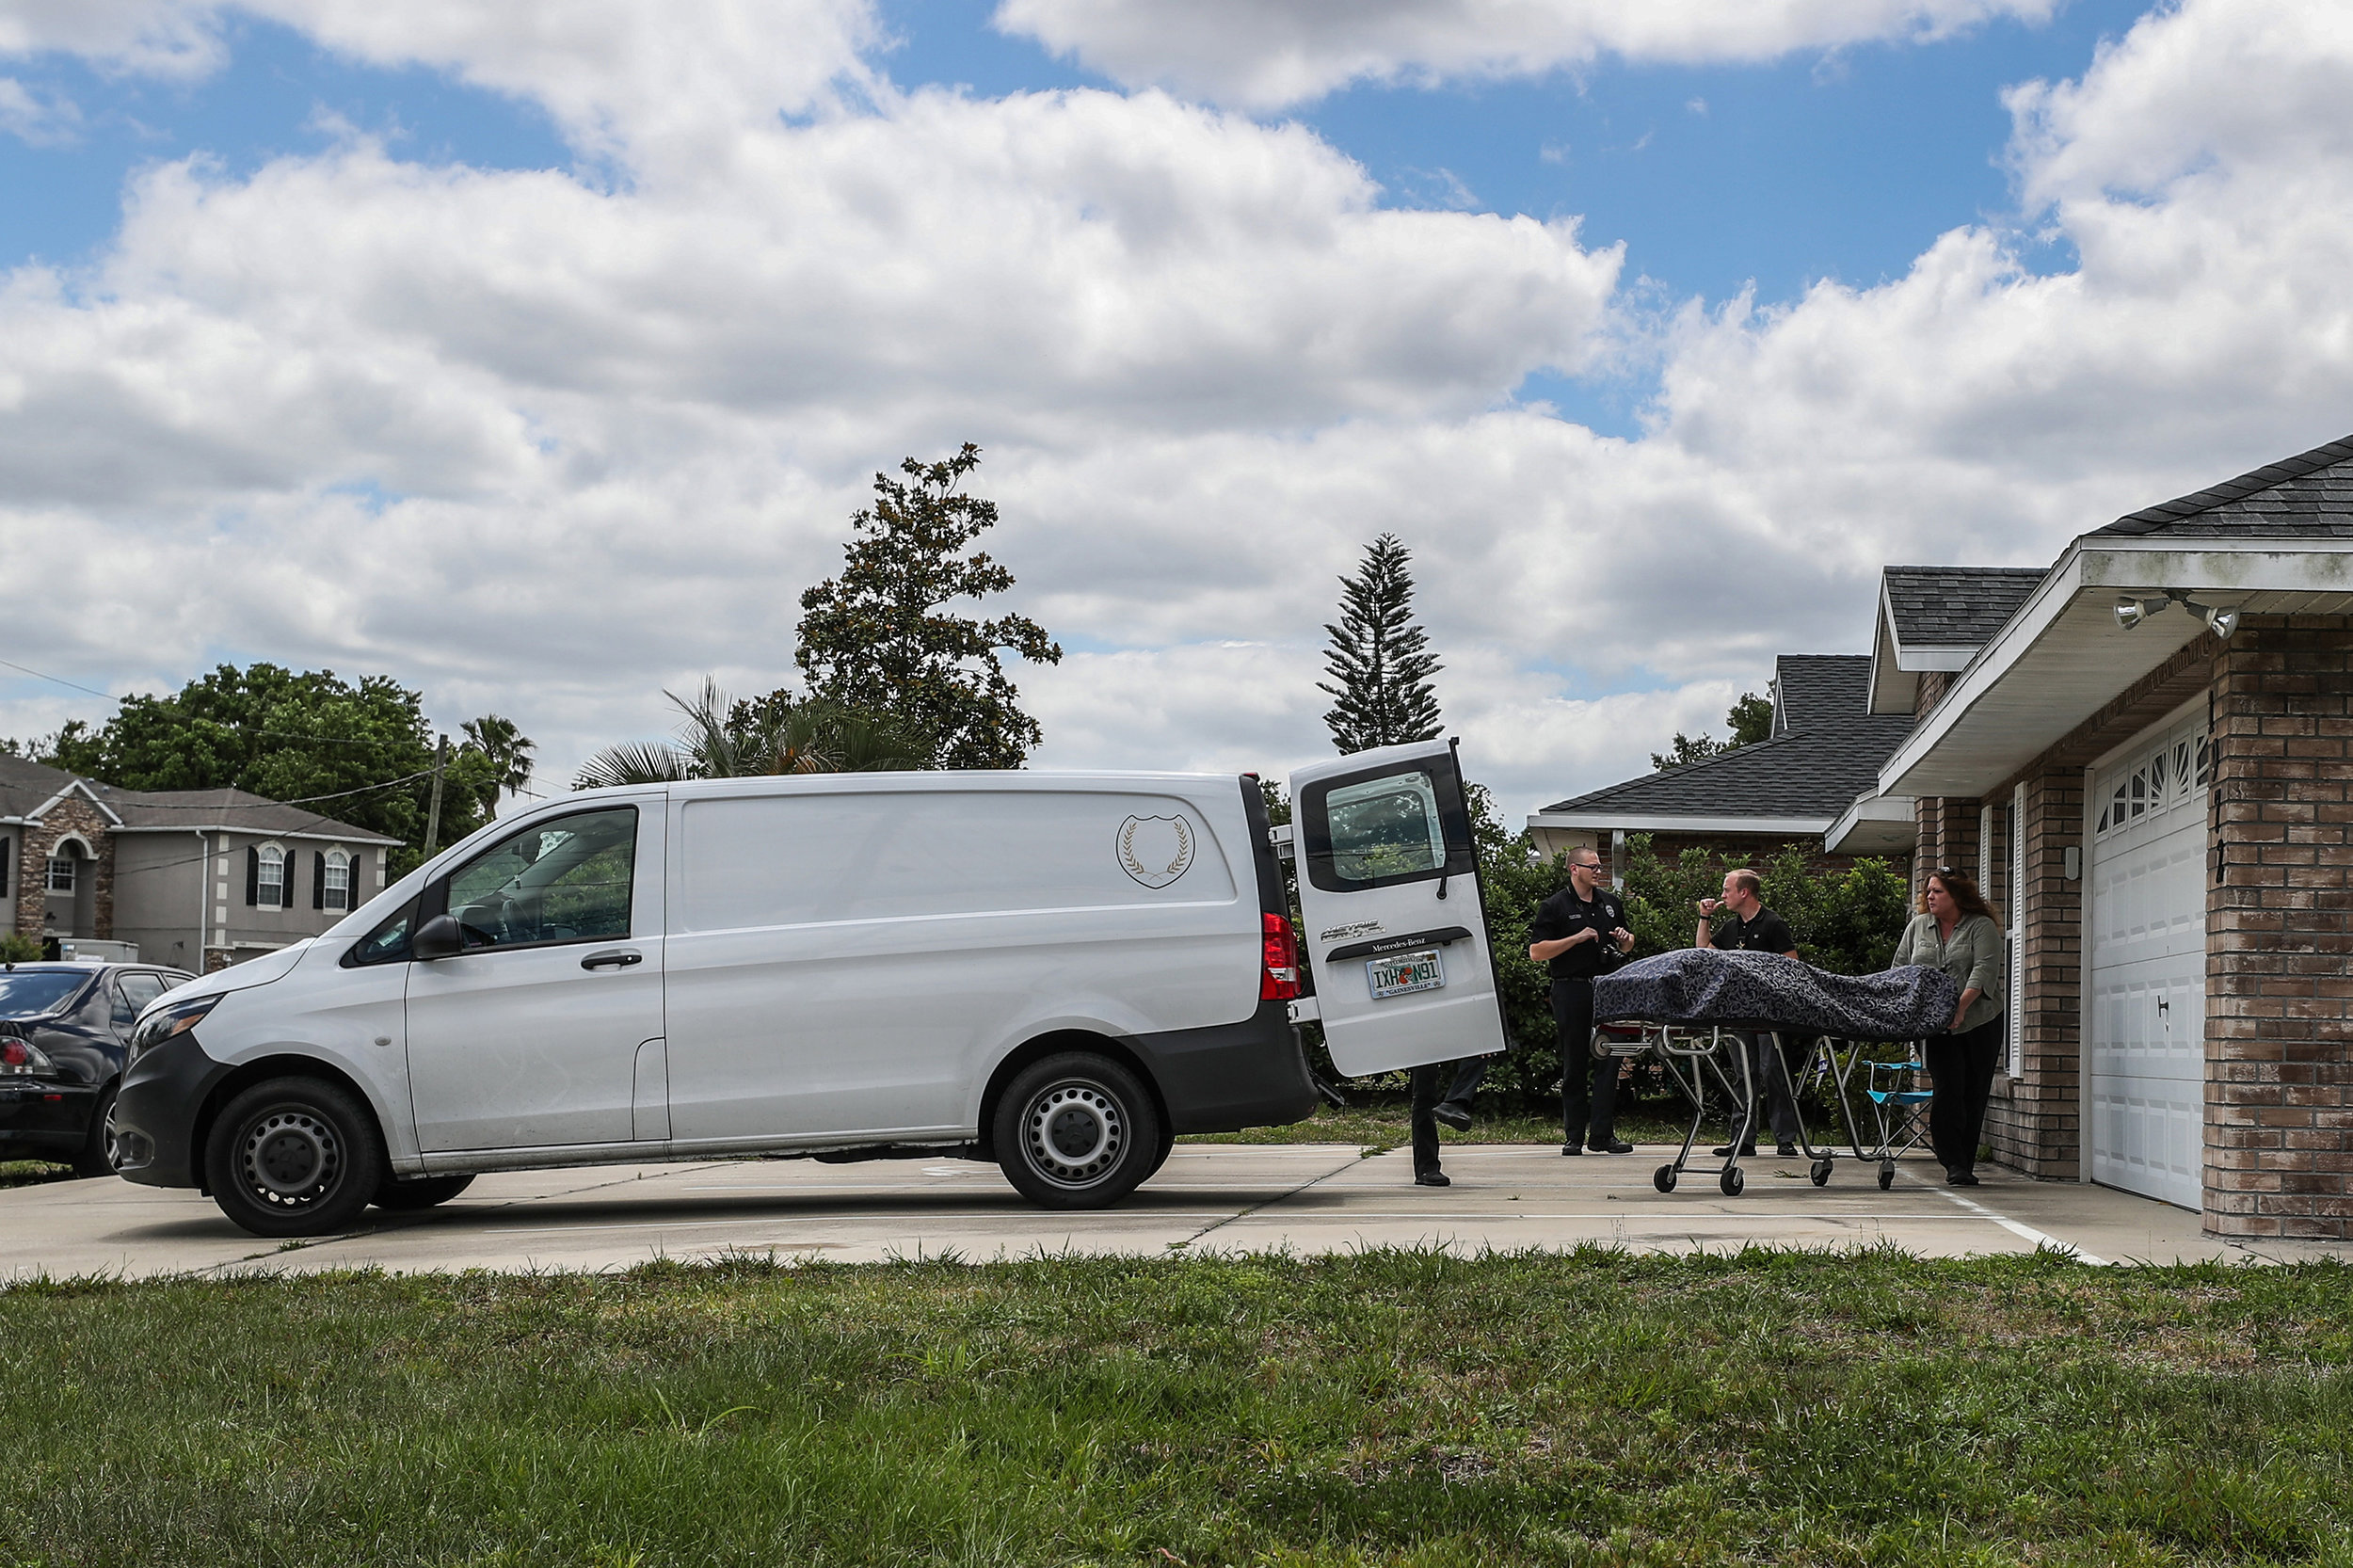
(1428, 1081)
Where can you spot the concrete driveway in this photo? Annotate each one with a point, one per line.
(1306, 1197)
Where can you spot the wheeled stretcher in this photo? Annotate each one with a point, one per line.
(1694, 1011)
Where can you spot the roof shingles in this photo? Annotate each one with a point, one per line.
(1956, 606)
(2307, 496)
(26, 786)
(1831, 753)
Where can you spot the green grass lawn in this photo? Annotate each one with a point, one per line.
(1381, 1408)
(29, 1173)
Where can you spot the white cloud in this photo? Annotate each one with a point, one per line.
(1266, 57)
(546, 446)
(157, 37)
(38, 118)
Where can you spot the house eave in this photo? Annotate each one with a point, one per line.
(2063, 656)
(1655, 821)
(1874, 824)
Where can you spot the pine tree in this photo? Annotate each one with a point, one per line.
(1378, 659)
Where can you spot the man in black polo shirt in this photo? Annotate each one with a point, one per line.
(1754, 928)
(1581, 932)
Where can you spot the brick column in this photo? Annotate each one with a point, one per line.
(2280, 933)
(2036, 1120)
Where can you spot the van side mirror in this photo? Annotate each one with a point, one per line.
(438, 937)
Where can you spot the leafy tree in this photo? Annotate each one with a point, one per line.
(774, 734)
(879, 639)
(1379, 659)
(291, 737)
(1751, 720)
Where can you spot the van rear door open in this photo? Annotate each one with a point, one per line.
(1388, 887)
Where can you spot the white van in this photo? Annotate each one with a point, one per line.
(1057, 971)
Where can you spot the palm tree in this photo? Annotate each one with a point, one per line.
(508, 750)
(726, 739)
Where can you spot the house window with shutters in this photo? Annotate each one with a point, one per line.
(332, 888)
(270, 881)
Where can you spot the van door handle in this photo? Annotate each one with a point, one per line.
(617, 960)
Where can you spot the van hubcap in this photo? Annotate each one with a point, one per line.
(290, 1157)
(1074, 1133)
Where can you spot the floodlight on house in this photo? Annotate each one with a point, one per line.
(2132, 611)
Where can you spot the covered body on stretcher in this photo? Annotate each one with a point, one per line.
(1694, 1008)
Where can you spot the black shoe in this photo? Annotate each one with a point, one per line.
(1453, 1113)
(1613, 1146)
(1748, 1151)
(1960, 1179)
(1432, 1178)
(1571, 1148)
(1787, 1151)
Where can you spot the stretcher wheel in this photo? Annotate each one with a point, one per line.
(1663, 1178)
(1821, 1173)
(1887, 1175)
(1732, 1181)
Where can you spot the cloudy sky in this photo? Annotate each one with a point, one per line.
(535, 353)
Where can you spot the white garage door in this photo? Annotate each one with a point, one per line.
(2148, 963)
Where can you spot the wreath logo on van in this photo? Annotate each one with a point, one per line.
(1156, 851)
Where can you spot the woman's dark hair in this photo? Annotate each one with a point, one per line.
(1966, 898)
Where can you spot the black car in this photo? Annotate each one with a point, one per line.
(63, 1028)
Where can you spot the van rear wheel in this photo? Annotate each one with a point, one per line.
(1075, 1132)
(294, 1157)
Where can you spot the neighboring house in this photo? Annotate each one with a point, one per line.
(197, 878)
(2164, 817)
(1787, 791)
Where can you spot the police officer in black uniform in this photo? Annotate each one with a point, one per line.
(1581, 932)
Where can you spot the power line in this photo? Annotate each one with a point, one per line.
(60, 681)
(300, 800)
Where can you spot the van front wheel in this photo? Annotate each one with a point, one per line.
(1075, 1132)
(294, 1157)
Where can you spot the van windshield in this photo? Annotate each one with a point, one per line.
(29, 993)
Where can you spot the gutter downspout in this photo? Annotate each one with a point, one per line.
(204, 900)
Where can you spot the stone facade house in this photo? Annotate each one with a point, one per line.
(2147, 755)
(1796, 788)
(198, 879)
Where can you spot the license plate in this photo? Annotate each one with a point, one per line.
(1402, 972)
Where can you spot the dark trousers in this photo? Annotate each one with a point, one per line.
(1769, 1079)
(1963, 1066)
(1589, 1089)
(1459, 1080)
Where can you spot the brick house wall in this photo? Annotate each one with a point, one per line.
(2279, 1155)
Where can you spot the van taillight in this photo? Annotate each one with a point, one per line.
(1280, 981)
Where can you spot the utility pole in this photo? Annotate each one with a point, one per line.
(433, 813)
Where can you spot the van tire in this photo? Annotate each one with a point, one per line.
(294, 1157)
(1076, 1131)
(406, 1196)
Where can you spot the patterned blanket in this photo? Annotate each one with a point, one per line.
(1764, 990)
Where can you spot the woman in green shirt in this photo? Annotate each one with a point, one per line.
(1956, 932)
